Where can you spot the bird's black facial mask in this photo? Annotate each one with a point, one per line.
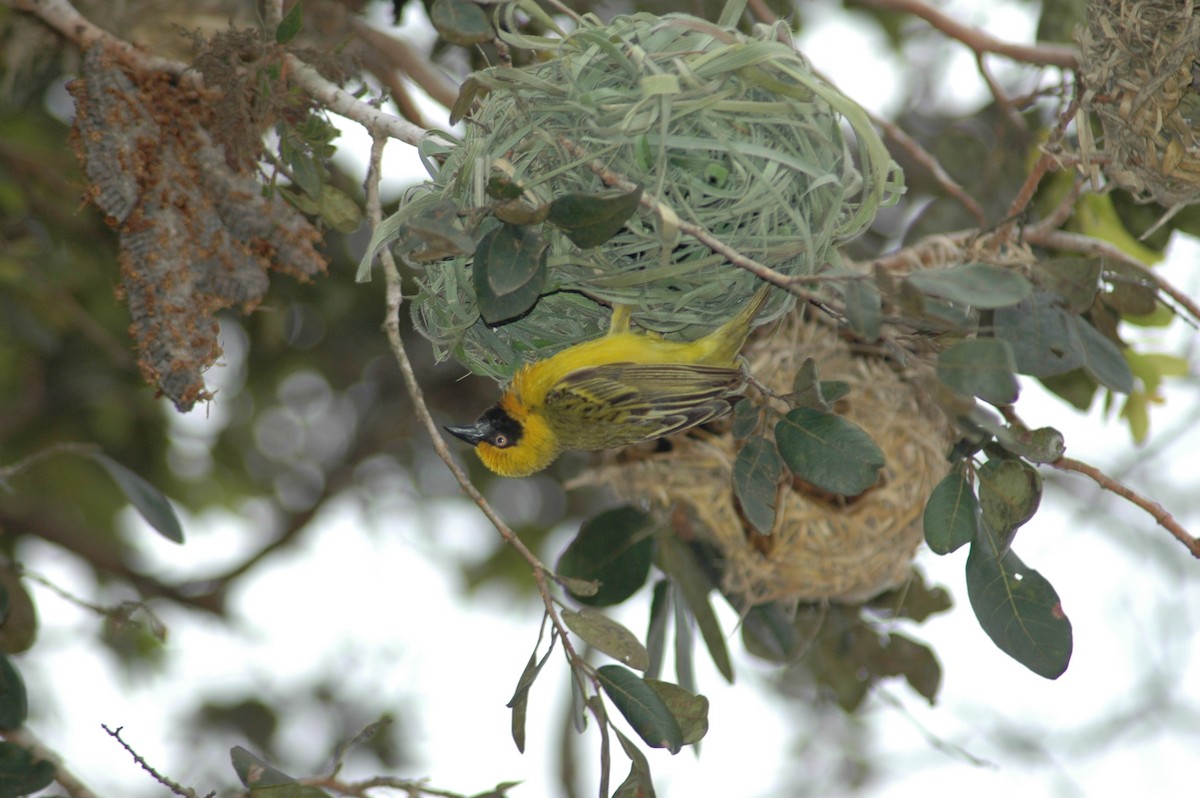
(495, 427)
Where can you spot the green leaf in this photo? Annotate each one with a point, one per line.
(339, 210)
(1102, 359)
(951, 514)
(14, 704)
(307, 173)
(828, 451)
(509, 272)
(1132, 291)
(756, 474)
(916, 662)
(685, 640)
(768, 632)
(864, 308)
(1018, 608)
(519, 703)
(1075, 387)
(642, 707)
(1075, 279)
(832, 390)
(1009, 494)
(254, 772)
(745, 418)
(22, 774)
(615, 549)
(656, 634)
(145, 498)
(806, 387)
(979, 285)
(690, 710)
(608, 637)
(982, 367)
(292, 23)
(18, 616)
(678, 562)
(591, 219)
(460, 22)
(467, 93)
(637, 784)
(1042, 335)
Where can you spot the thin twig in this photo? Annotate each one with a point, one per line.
(62, 17)
(926, 159)
(541, 574)
(173, 786)
(342, 102)
(1156, 510)
(66, 779)
(980, 41)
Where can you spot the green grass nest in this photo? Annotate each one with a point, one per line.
(731, 133)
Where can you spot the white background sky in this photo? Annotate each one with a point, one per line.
(371, 594)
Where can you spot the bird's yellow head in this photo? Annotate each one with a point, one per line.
(510, 440)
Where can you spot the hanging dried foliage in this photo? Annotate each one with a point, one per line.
(196, 236)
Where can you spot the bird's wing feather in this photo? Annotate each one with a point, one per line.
(632, 402)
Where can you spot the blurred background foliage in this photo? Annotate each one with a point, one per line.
(310, 408)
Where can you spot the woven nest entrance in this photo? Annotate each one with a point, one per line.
(822, 547)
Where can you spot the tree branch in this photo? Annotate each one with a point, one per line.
(1156, 510)
(64, 18)
(980, 41)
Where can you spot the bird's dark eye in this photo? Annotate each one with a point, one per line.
(500, 440)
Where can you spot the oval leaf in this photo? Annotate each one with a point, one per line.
(254, 772)
(983, 367)
(1102, 359)
(460, 22)
(642, 707)
(756, 475)
(21, 773)
(1018, 608)
(14, 703)
(951, 514)
(1009, 494)
(608, 636)
(509, 272)
(864, 308)
(614, 549)
(1041, 334)
(145, 498)
(591, 219)
(1076, 279)
(339, 210)
(828, 451)
(690, 710)
(979, 285)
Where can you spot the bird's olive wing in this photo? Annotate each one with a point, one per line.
(617, 404)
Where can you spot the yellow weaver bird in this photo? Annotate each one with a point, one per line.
(617, 390)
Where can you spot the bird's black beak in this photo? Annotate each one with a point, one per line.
(471, 433)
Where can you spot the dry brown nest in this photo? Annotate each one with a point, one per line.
(1139, 72)
(822, 547)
